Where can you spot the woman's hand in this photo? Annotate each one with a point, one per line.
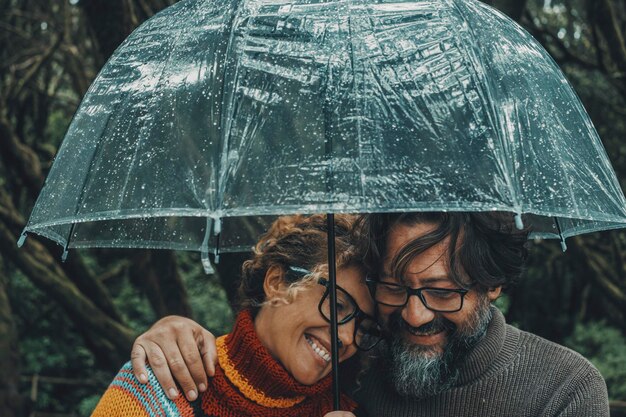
(176, 346)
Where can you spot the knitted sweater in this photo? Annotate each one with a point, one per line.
(510, 373)
(247, 382)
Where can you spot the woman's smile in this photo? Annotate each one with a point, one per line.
(320, 353)
(298, 335)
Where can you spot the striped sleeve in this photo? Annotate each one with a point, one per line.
(127, 397)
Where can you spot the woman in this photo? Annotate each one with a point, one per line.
(276, 361)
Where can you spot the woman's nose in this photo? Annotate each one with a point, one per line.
(346, 334)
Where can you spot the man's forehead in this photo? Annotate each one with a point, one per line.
(402, 234)
(428, 267)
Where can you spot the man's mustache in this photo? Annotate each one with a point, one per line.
(437, 325)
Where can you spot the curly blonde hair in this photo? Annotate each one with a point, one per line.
(297, 241)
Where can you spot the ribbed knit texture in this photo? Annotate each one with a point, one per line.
(127, 397)
(246, 377)
(509, 373)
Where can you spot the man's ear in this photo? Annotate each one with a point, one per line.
(274, 284)
(494, 293)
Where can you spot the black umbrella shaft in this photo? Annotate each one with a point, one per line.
(334, 334)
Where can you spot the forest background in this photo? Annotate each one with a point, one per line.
(65, 328)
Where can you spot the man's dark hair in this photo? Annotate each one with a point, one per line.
(486, 249)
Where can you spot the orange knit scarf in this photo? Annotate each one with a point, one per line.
(250, 382)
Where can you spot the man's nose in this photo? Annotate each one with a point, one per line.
(415, 312)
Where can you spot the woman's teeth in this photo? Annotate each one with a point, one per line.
(319, 350)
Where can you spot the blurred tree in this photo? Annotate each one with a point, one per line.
(49, 54)
(11, 402)
(588, 282)
(513, 8)
(48, 58)
(112, 21)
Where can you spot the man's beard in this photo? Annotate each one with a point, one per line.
(421, 371)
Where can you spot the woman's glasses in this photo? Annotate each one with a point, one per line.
(367, 331)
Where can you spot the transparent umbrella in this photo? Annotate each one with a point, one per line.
(214, 110)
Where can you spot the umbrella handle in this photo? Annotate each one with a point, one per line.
(334, 334)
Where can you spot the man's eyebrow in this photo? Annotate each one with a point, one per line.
(436, 280)
(425, 281)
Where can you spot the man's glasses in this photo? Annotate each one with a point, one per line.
(442, 300)
(367, 331)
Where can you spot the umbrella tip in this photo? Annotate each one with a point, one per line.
(217, 226)
(518, 221)
(64, 256)
(563, 245)
(21, 240)
(206, 263)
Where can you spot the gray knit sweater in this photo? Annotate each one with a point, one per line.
(510, 373)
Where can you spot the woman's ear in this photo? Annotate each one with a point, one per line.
(274, 284)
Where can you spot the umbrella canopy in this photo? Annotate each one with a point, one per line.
(215, 109)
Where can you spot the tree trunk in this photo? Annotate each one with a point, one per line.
(113, 20)
(110, 339)
(513, 8)
(603, 13)
(74, 268)
(19, 158)
(156, 273)
(110, 24)
(11, 403)
(229, 274)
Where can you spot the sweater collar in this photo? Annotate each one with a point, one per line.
(490, 352)
(249, 366)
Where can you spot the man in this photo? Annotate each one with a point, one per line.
(449, 352)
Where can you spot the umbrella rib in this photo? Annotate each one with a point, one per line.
(145, 129)
(228, 107)
(558, 227)
(507, 173)
(85, 180)
(358, 82)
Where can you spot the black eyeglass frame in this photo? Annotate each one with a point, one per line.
(372, 283)
(358, 315)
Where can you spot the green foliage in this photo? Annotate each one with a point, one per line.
(50, 346)
(133, 305)
(88, 404)
(503, 303)
(206, 295)
(605, 347)
(57, 125)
